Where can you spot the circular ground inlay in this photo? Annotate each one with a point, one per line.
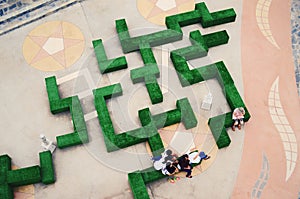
(53, 46)
(156, 11)
(176, 137)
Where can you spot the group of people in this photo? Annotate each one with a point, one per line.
(170, 164)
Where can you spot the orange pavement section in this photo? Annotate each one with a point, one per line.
(262, 62)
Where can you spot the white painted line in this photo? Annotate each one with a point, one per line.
(84, 94)
(67, 77)
(90, 115)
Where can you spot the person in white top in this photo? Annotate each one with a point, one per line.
(238, 118)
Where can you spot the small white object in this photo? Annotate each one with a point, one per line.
(47, 144)
(207, 102)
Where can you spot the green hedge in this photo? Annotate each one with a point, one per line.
(107, 65)
(5, 166)
(47, 168)
(138, 187)
(6, 191)
(150, 124)
(24, 176)
(72, 104)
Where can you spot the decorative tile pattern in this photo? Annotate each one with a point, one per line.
(53, 48)
(295, 23)
(262, 18)
(283, 127)
(262, 179)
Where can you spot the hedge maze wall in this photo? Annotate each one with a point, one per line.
(148, 73)
(25, 176)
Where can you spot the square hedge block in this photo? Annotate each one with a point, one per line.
(47, 168)
(6, 191)
(138, 187)
(121, 25)
(145, 116)
(24, 176)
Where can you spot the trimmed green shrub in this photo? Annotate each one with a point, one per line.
(47, 168)
(5, 166)
(107, 65)
(138, 187)
(6, 191)
(24, 176)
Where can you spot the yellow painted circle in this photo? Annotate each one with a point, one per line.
(53, 46)
(156, 11)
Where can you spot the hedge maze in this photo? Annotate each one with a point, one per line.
(150, 123)
(148, 73)
(25, 176)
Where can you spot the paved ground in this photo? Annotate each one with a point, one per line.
(262, 159)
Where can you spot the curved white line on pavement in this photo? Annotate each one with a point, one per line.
(282, 125)
(262, 179)
(262, 19)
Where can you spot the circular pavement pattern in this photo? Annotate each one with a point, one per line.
(201, 138)
(156, 11)
(53, 46)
